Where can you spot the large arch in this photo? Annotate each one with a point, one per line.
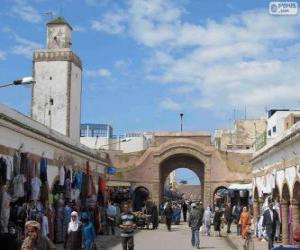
(182, 154)
(181, 161)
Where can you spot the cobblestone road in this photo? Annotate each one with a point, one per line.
(161, 239)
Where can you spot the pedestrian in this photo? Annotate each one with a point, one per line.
(236, 211)
(168, 212)
(207, 220)
(195, 222)
(184, 210)
(154, 216)
(111, 217)
(35, 240)
(245, 222)
(270, 220)
(88, 233)
(74, 233)
(127, 226)
(217, 221)
(228, 217)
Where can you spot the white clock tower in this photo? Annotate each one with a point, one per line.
(56, 95)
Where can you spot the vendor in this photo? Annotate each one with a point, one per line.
(35, 239)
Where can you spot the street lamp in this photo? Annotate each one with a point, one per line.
(24, 81)
(109, 144)
(181, 118)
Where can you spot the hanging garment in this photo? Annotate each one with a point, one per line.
(67, 218)
(9, 172)
(59, 222)
(16, 163)
(45, 226)
(91, 186)
(67, 173)
(18, 186)
(68, 188)
(5, 211)
(85, 185)
(43, 170)
(78, 180)
(62, 176)
(44, 197)
(35, 188)
(50, 217)
(3, 171)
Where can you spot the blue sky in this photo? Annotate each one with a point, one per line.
(147, 61)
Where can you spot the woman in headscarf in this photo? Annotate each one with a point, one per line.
(245, 222)
(217, 220)
(74, 234)
(207, 220)
(88, 233)
(35, 240)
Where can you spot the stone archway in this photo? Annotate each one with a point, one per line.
(191, 156)
(181, 161)
(276, 193)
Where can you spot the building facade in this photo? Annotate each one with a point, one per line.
(276, 171)
(57, 70)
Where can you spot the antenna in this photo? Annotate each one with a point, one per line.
(48, 14)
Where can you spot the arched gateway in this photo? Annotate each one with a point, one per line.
(188, 155)
(170, 151)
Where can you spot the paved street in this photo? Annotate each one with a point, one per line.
(161, 239)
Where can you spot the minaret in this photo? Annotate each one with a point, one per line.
(56, 95)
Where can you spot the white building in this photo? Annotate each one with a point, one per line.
(276, 168)
(128, 143)
(276, 122)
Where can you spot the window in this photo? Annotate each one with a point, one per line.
(274, 129)
(269, 132)
(82, 132)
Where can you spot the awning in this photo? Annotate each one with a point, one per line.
(118, 184)
(238, 186)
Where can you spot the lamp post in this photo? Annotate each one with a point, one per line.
(24, 81)
(181, 119)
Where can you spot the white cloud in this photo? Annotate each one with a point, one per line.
(98, 73)
(170, 104)
(78, 28)
(26, 12)
(246, 59)
(24, 47)
(112, 22)
(2, 55)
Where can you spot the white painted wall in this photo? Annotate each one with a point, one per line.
(277, 120)
(75, 102)
(94, 143)
(45, 88)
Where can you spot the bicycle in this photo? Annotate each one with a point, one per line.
(249, 242)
